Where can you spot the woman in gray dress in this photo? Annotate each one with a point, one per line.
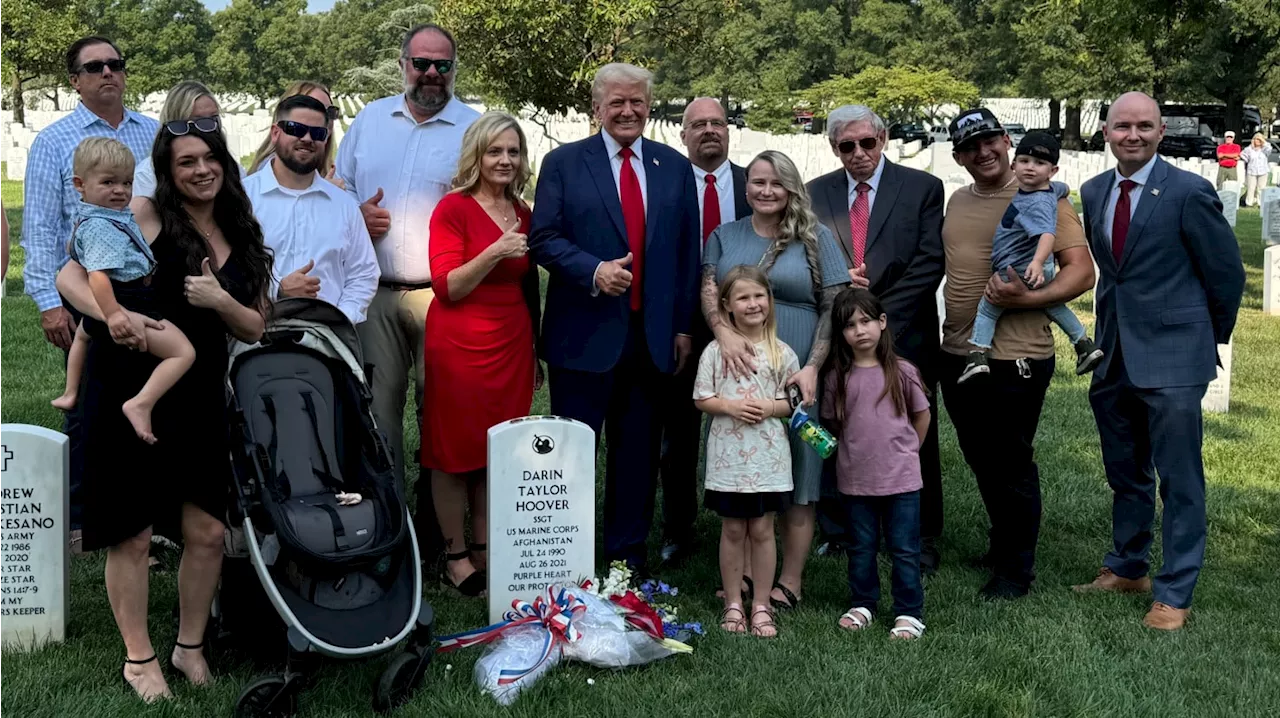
(806, 271)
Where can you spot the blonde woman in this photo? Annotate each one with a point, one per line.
(480, 333)
(806, 270)
(1256, 165)
(318, 91)
(189, 105)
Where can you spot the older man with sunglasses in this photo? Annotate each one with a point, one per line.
(97, 72)
(398, 161)
(315, 230)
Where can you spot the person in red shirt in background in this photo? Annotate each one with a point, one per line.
(1228, 156)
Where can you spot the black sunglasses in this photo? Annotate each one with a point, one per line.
(94, 67)
(177, 128)
(422, 64)
(866, 143)
(332, 112)
(299, 130)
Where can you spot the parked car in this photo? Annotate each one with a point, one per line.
(1188, 146)
(909, 132)
(1016, 132)
(1097, 142)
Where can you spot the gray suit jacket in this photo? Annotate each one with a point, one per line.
(1174, 295)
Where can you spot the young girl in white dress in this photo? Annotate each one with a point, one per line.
(748, 476)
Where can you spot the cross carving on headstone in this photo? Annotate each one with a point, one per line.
(6, 455)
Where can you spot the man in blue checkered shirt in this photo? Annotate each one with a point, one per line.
(97, 73)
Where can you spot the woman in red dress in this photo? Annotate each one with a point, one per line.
(481, 367)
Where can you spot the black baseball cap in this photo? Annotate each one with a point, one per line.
(1040, 145)
(973, 125)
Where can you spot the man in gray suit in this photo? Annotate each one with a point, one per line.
(1170, 287)
(888, 220)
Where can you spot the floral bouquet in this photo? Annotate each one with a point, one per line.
(646, 607)
(572, 622)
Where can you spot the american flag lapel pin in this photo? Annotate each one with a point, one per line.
(655, 162)
(1155, 191)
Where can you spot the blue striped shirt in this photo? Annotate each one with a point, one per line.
(51, 198)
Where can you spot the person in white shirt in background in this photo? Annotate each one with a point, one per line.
(398, 159)
(315, 230)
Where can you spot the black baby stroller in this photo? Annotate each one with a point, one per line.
(344, 577)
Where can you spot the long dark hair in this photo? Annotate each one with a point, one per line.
(232, 212)
(846, 304)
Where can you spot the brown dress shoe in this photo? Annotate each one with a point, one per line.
(1109, 581)
(1164, 617)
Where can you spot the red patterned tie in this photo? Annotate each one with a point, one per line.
(710, 208)
(858, 216)
(1120, 223)
(633, 217)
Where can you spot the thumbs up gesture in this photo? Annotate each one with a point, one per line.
(613, 277)
(376, 219)
(299, 283)
(203, 289)
(512, 244)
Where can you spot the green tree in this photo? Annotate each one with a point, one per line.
(259, 46)
(36, 36)
(363, 45)
(165, 41)
(898, 94)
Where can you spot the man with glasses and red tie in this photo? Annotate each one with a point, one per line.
(888, 219)
(398, 160)
(616, 225)
(1169, 289)
(316, 232)
(721, 188)
(97, 73)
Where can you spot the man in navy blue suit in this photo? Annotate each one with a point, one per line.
(615, 222)
(1169, 289)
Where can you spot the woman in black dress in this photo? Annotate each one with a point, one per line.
(211, 281)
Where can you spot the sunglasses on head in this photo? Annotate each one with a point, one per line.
(299, 130)
(866, 143)
(94, 67)
(177, 128)
(422, 64)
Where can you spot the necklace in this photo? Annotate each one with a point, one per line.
(498, 208)
(973, 188)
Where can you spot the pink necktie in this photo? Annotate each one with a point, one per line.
(858, 216)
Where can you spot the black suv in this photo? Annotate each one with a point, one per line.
(1188, 146)
(908, 132)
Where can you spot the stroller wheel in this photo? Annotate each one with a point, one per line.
(268, 697)
(398, 683)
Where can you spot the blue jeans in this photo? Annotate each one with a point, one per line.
(899, 516)
(984, 325)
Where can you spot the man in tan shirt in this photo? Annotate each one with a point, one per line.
(996, 415)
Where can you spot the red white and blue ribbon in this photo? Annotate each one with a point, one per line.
(556, 611)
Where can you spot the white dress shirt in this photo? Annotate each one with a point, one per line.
(413, 163)
(320, 223)
(874, 181)
(637, 163)
(724, 188)
(1135, 194)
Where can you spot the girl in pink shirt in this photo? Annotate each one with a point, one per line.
(876, 406)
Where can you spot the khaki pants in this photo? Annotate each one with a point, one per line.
(1253, 185)
(392, 340)
(1226, 174)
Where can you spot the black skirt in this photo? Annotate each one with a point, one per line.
(136, 296)
(732, 505)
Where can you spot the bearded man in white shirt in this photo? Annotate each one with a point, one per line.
(314, 229)
(398, 159)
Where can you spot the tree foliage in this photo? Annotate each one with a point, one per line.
(36, 36)
(165, 41)
(898, 94)
(259, 47)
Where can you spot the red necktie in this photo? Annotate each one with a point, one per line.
(710, 208)
(1120, 223)
(633, 217)
(858, 216)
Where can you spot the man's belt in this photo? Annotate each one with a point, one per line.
(403, 286)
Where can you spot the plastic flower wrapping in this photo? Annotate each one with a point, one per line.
(603, 623)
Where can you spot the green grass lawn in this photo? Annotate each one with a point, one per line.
(1052, 654)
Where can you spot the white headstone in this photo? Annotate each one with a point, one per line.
(1218, 397)
(1271, 280)
(1270, 203)
(1232, 186)
(34, 515)
(1230, 204)
(542, 507)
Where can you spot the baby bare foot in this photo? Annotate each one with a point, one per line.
(66, 402)
(139, 415)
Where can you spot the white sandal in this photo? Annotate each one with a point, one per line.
(912, 630)
(859, 617)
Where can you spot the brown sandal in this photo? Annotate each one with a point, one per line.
(758, 629)
(733, 625)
